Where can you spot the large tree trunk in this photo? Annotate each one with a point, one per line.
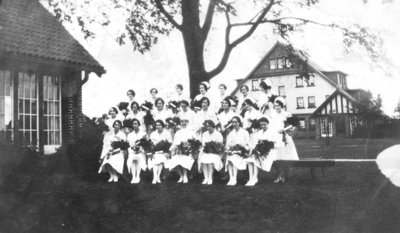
(194, 45)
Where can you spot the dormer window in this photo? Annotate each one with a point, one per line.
(272, 64)
(281, 63)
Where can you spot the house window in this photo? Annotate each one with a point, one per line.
(272, 64)
(312, 123)
(299, 81)
(6, 106)
(326, 127)
(302, 123)
(52, 110)
(281, 63)
(281, 90)
(300, 102)
(255, 85)
(311, 102)
(28, 108)
(288, 63)
(310, 81)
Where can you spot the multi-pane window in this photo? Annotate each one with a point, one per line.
(255, 85)
(52, 110)
(272, 64)
(300, 102)
(302, 123)
(6, 106)
(326, 127)
(281, 63)
(299, 81)
(312, 123)
(281, 90)
(311, 102)
(310, 81)
(28, 108)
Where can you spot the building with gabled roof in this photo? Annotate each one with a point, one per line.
(42, 70)
(303, 95)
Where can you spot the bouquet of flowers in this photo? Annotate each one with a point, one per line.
(101, 124)
(196, 105)
(254, 125)
(214, 148)
(241, 150)
(262, 149)
(172, 122)
(184, 148)
(118, 146)
(161, 146)
(292, 120)
(194, 146)
(142, 143)
(123, 107)
(148, 118)
(173, 105)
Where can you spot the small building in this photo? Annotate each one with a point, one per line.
(337, 115)
(42, 70)
(303, 95)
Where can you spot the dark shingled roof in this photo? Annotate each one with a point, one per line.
(28, 29)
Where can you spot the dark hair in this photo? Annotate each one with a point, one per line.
(130, 91)
(264, 86)
(205, 98)
(226, 100)
(135, 103)
(280, 103)
(134, 119)
(209, 123)
(179, 86)
(204, 85)
(153, 89)
(223, 85)
(159, 99)
(161, 123)
(244, 86)
(263, 119)
(249, 102)
(184, 102)
(238, 119)
(120, 123)
(113, 108)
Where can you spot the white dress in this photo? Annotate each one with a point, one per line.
(133, 156)
(139, 116)
(240, 137)
(110, 121)
(162, 115)
(189, 115)
(265, 163)
(186, 161)
(288, 150)
(202, 116)
(225, 117)
(208, 158)
(116, 161)
(158, 157)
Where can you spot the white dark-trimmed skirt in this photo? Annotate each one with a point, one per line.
(180, 160)
(236, 161)
(265, 163)
(206, 158)
(158, 158)
(287, 151)
(115, 161)
(140, 157)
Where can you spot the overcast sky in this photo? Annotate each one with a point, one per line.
(165, 65)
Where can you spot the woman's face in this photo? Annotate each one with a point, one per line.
(135, 125)
(159, 105)
(184, 107)
(264, 125)
(113, 113)
(235, 123)
(204, 104)
(202, 89)
(153, 93)
(225, 105)
(178, 90)
(210, 129)
(184, 123)
(278, 108)
(130, 96)
(134, 108)
(244, 91)
(248, 106)
(221, 90)
(117, 126)
(159, 127)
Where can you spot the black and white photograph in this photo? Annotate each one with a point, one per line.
(136, 116)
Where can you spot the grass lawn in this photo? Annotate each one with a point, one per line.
(352, 197)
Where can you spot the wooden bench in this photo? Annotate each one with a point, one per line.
(306, 163)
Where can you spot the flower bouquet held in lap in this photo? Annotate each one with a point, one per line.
(291, 123)
(263, 148)
(161, 147)
(239, 150)
(214, 148)
(117, 147)
(190, 147)
(143, 144)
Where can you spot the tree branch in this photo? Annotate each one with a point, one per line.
(160, 6)
(205, 29)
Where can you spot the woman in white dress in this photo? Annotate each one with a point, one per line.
(251, 115)
(135, 113)
(266, 100)
(137, 158)
(288, 150)
(203, 89)
(264, 163)
(187, 113)
(153, 95)
(204, 114)
(112, 163)
(244, 90)
(160, 112)
(234, 162)
(112, 117)
(182, 163)
(226, 115)
(159, 157)
(131, 96)
(208, 161)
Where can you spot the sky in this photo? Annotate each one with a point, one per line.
(165, 65)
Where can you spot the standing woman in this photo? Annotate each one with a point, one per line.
(153, 95)
(160, 112)
(178, 96)
(266, 99)
(112, 117)
(210, 161)
(113, 164)
(131, 95)
(181, 162)
(288, 150)
(226, 115)
(251, 114)
(159, 157)
(135, 113)
(187, 113)
(234, 161)
(244, 89)
(203, 89)
(137, 158)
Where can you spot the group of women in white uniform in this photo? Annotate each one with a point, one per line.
(229, 123)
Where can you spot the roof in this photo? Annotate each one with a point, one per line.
(28, 29)
(311, 65)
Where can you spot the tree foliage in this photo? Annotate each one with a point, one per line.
(144, 21)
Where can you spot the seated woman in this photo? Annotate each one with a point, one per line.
(262, 159)
(208, 161)
(137, 158)
(135, 113)
(181, 161)
(159, 157)
(112, 117)
(112, 163)
(235, 161)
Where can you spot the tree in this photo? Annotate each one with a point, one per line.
(146, 20)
